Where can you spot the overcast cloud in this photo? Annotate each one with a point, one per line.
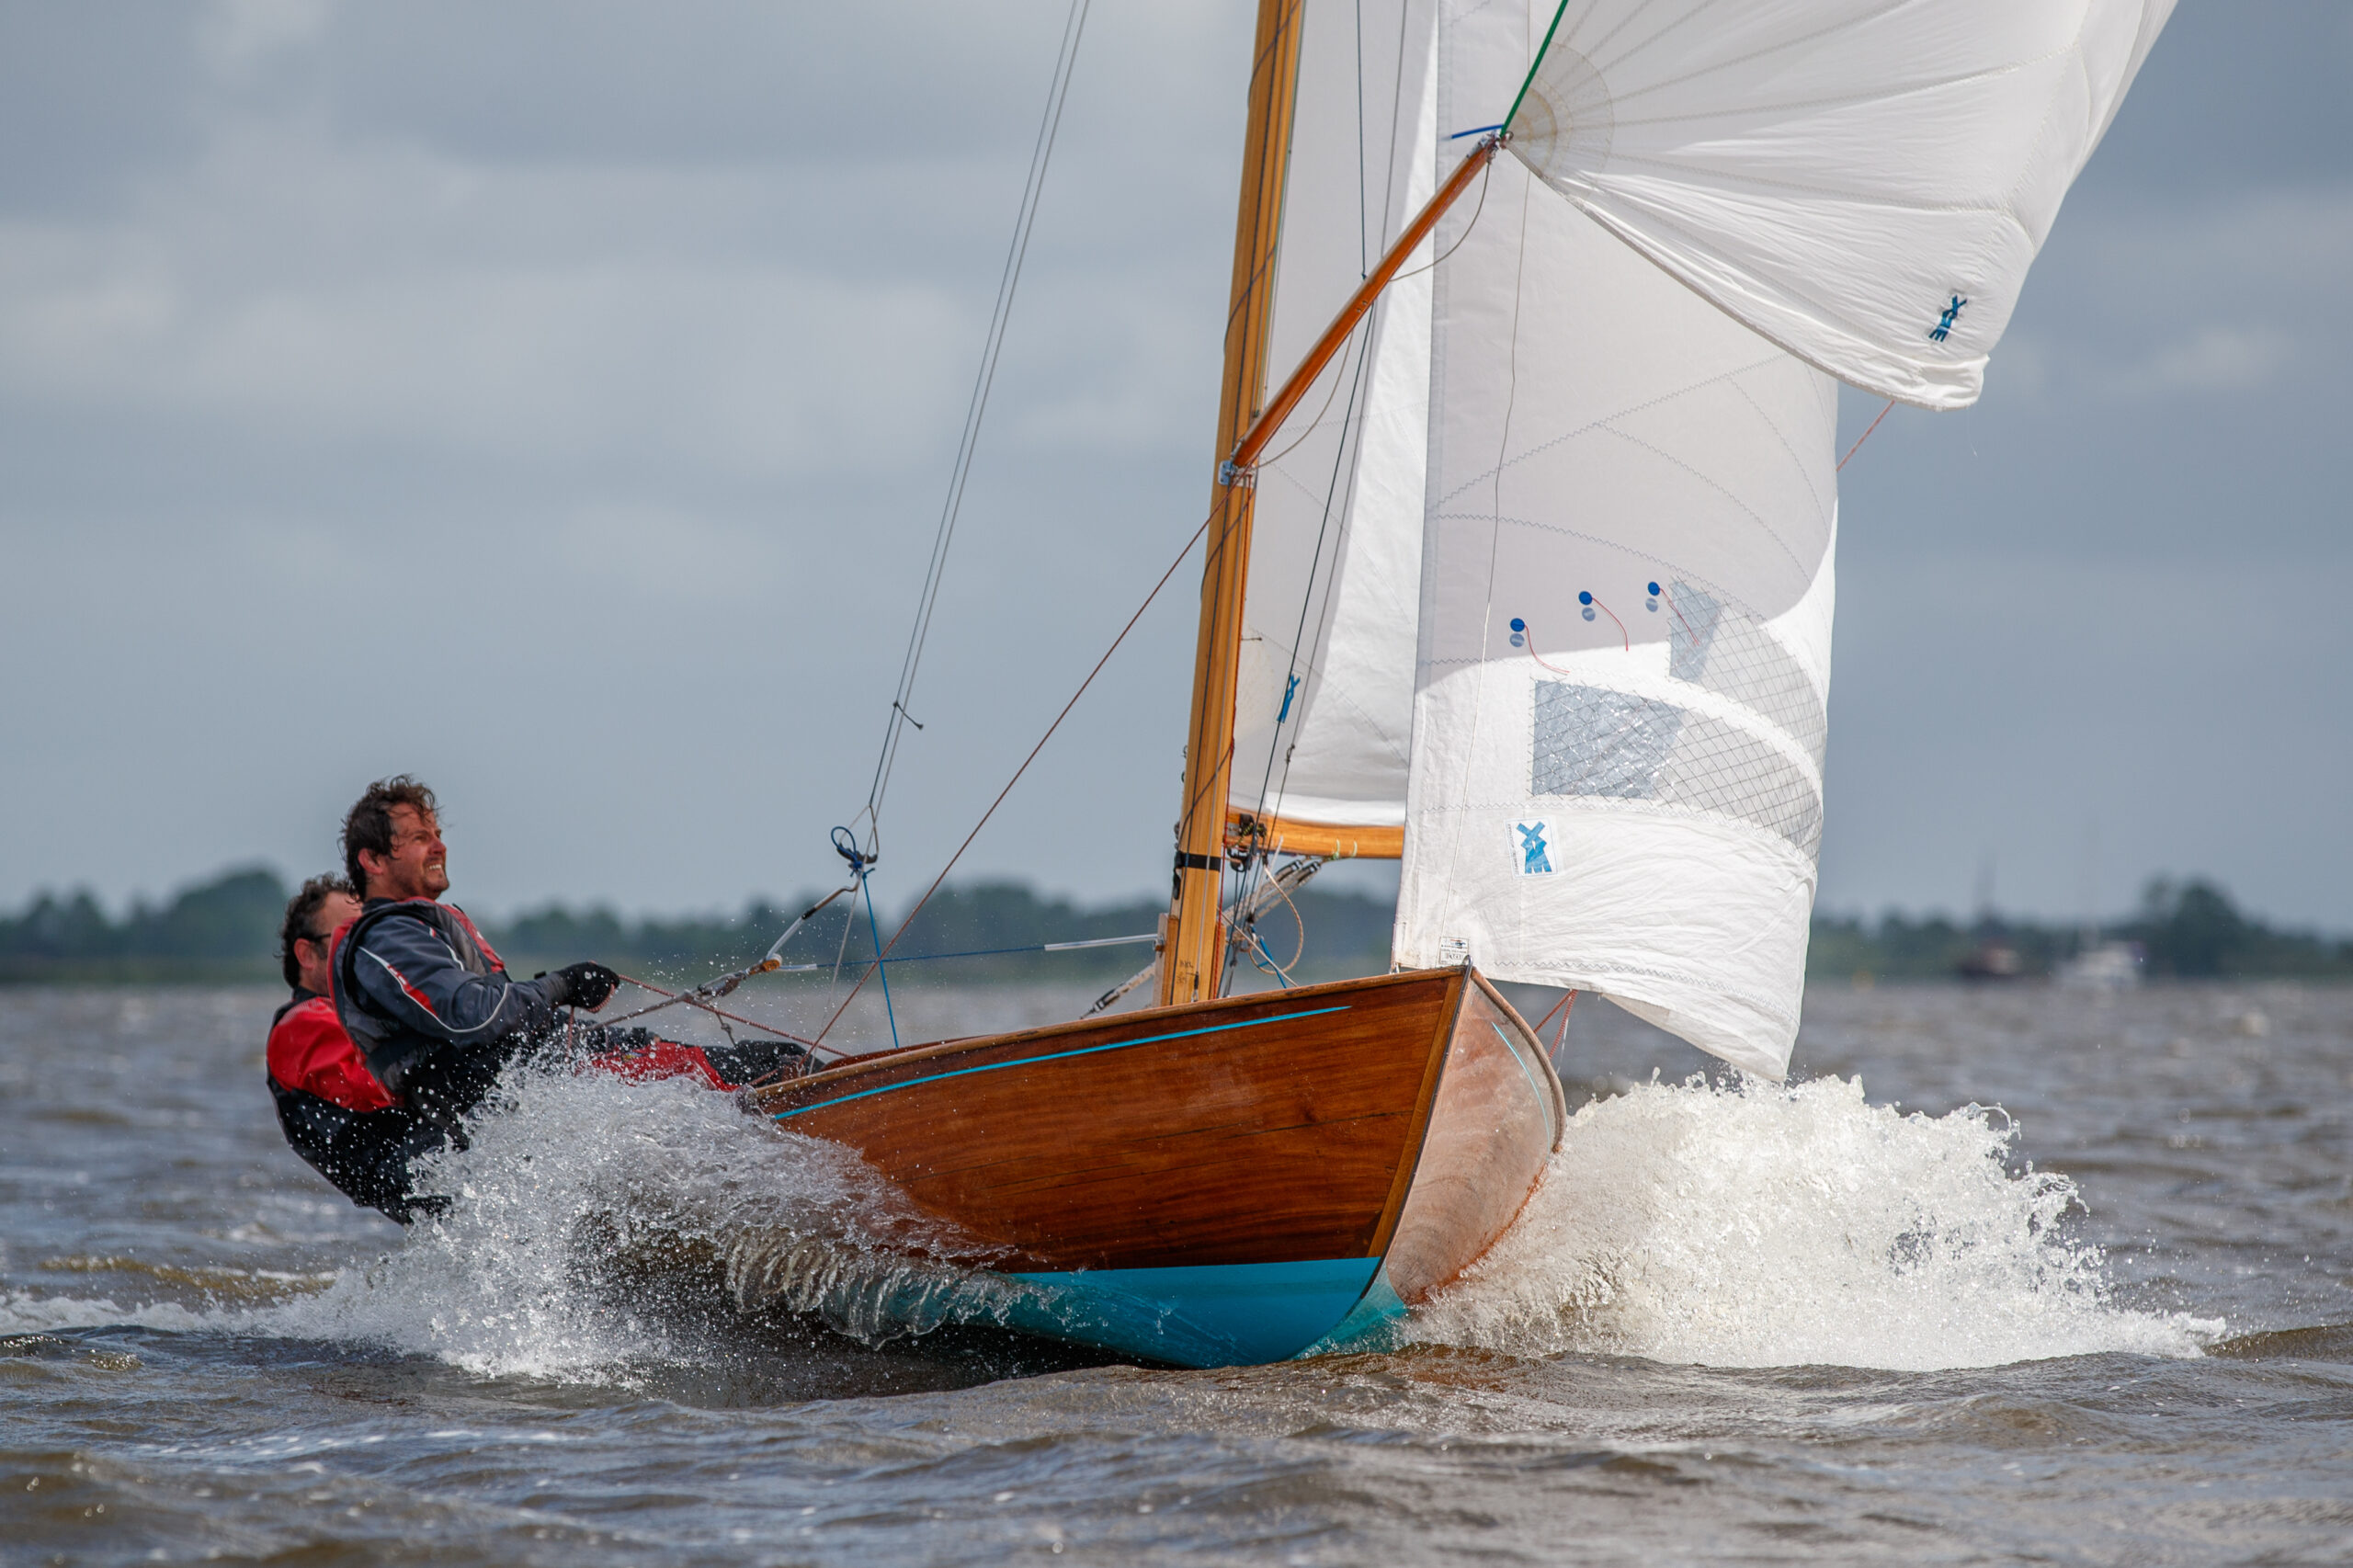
(554, 399)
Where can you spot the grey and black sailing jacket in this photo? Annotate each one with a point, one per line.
(428, 1004)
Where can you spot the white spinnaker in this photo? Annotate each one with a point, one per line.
(1336, 544)
(1597, 428)
(1865, 182)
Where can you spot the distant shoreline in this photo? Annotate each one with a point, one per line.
(223, 931)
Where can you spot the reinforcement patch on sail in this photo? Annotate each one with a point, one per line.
(1712, 645)
(1595, 741)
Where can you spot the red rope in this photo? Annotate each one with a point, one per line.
(1018, 772)
(1864, 436)
(1569, 1001)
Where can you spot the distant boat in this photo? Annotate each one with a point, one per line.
(2103, 966)
(1993, 958)
(1536, 596)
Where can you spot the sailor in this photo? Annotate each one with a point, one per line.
(333, 1111)
(431, 1006)
(422, 995)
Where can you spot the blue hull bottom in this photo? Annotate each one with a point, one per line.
(1219, 1315)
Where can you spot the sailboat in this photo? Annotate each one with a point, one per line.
(1521, 574)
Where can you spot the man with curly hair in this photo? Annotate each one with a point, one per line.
(419, 990)
(429, 1005)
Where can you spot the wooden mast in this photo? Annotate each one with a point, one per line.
(1194, 951)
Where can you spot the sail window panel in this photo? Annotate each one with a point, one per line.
(1588, 740)
(1712, 645)
(1695, 919)
(1596, 742)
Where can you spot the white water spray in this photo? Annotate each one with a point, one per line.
(1730, 1226)
(1760, 1225)
(590, 1175)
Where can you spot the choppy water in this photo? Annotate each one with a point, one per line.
(1862, 1319)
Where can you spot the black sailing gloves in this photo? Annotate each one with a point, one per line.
(588, 986)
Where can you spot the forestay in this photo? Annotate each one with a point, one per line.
(1865, 182)
(1624, 635)
(1325, 693)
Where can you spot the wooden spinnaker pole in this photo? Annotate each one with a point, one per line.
(1195, 948)
(1278, 407)
(1194, 951)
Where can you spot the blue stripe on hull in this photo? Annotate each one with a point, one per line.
(1217, 1315)
(1367, 1326)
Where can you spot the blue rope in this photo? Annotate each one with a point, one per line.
(1265, 962)
(846, 846)
(880, 967)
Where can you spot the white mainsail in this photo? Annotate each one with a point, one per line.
(1323, 700)
(1865, 182)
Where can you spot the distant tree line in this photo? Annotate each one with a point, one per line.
(225, 929)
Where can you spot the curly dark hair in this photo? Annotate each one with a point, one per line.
(368, 825)
(300, 911)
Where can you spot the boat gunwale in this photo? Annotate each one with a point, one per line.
(1536, 1042)
(762, 1095)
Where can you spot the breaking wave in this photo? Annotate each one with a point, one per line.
(602, 1227)
(595, 1225)
(1757, 1225)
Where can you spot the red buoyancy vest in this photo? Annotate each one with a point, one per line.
(309, 1051)
(663, 1059)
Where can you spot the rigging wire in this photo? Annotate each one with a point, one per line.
(1008, 281)
(1341, 375)
(1256, 868)
(1864, 436)
(689, 998)
(885, 952)
(1484, 176)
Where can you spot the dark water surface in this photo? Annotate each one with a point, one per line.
(1831, 1324)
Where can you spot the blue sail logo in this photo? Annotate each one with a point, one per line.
(1951, 313)
(1535, 859)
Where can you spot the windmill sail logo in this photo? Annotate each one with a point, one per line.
(1535, 858)
(1944, 319)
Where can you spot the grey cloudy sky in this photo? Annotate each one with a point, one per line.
(554, 399)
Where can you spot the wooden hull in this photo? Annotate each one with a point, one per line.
(1222, 1182)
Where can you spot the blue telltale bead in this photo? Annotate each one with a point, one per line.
(1585, 598)
(1517, 624)
(1654, 590)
